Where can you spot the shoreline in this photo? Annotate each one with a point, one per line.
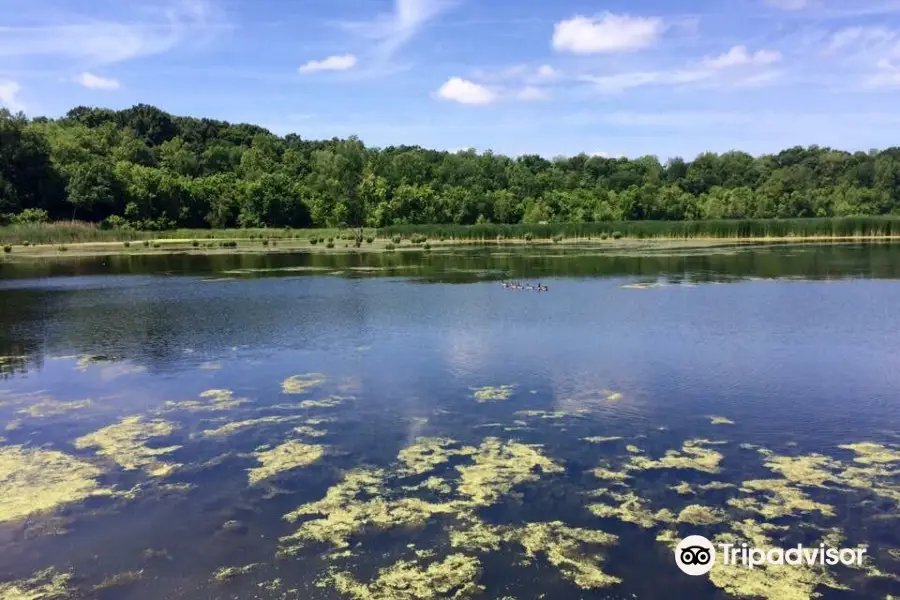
(292, 246)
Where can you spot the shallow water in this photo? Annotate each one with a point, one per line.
(797, 355)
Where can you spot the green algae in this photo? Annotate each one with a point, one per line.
(696, 514)
(34, 481)
(683, 489)
(633, 449)
(312, 432)
(564, 548)
(236, 426)
(869, 453)
(302, 384)
(493, 394)
(427, 454)
(48, 584)
(48, 407)
(693, 455)
(330, 402)
(544, 414)
(499, 467)
(608, 474)
(720, 421)
(214, 400)
(288, 456)
(602, 439)
(474, 535)
(125, 443)
(229, 573)
(782, 499)
(630, 508)
(119, 580)
(456, 578)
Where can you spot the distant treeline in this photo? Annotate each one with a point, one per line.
(142, 168)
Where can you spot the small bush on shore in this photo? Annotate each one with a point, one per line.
(389, 246)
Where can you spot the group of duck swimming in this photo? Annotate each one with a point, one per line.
(515, 285)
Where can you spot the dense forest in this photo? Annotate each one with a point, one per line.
(143, 168)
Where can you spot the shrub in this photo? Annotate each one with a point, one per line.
(330, 244)
(63, 248)
(617, 235)
(395, 239)
(370, 239)
(146, 243)
(604, 236)
(330, 240)
(274, 243)
(265, 242)
(126, 244)
(26, 243)
(115, 222)
(427, 246)
(557, 238)
(313, 241)
(389, 246)
(529, 236)
(156, 244)
(7, 249)
(418, 238)
(252, 236)
(30, 216)
(195, 243)
(321, 240)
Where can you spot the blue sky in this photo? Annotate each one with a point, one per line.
(515, 76)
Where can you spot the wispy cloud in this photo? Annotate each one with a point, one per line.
(9, 96)
(621, 82)
(332, 63)
(606, 33)
(739, 56)
(887, 74)
(790, 4)
(89, 41)
(95, 82)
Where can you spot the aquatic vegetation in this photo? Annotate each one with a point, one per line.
(691, 456)
(125, 443)
(210, 401)
(151, 554)
(301, 384)
(427, 454)
(610, 475)
(543, 414)
(783, 499)
(433, 484)
(229, 573)
(308, 431)
(643, 285)
(475, 535)
(34, 481)
(119, 580)
(455, 578)
(290, 455)
(720, 421)
(330, 402)
(493, 394)
(210, 366)
(869, 453)
(564, 548)
(48, 407)
(631, 509)
(614, 396)
(715, 485)
(43, 585)
(633, 449)
(235, 426)
(499, 467)
(683, 488)
(602, 439)
(696, 514)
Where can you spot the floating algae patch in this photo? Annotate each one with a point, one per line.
(633, 449)
(493, 394)
(119, 580)
(501, 466)
(543, 414)
(33, 481)
(301, 384)
(782, 499)
(602, 439)
(427, 454)
(767, 581)
(48, 407)
(229, 573)
(43, 585)
(630, 508)
(692, 455)
(868, 453)
(306, 430)
(210, 401)
(456, 577)
(290, 455)
(720, 421)
(474, 535)
(608, 474)
(613, 396)
(125, 443)
(683, 489)
(433, 484)
(329, 402)
(696, 514)
(236, 426)
(565, 549)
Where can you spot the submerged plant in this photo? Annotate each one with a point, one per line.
(34, 481)
(492, 394)
(301, 384)
(125, 443)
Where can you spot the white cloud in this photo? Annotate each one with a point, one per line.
(887, 75)
(393, 31)
(9, 95)
(547, 72)
(464, 91)
(606, 33)
(790, 4)
(332, 63)
(531, 94)
(621, 82)
(89, 41)
(95, 82)
(739, 56)
(855, 39)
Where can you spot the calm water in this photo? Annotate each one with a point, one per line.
(798, 347)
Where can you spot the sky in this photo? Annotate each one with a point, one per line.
(548, 77)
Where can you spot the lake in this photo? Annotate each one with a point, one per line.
(401, 426)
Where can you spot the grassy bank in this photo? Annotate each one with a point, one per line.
(62, 234)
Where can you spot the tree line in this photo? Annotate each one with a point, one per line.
(143, 168)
